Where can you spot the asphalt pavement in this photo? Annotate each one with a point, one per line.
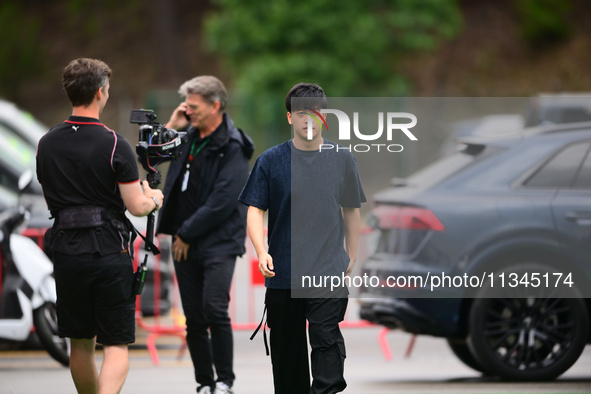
(430, 368)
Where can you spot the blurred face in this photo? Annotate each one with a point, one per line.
(200, 111)
(301, 121)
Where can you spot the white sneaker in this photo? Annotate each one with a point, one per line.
(204, 390)
(222, 388)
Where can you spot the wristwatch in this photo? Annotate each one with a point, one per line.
(156, 202)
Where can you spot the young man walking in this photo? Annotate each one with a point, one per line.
(312, 197)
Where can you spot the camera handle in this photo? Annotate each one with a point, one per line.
(154, 179)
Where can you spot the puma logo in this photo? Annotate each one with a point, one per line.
(75, 128)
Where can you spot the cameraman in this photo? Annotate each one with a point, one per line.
(89, 177)
(202, 212)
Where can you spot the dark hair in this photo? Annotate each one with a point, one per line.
(82, 78)
(311, 95)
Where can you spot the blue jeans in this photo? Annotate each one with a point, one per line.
(205, 293)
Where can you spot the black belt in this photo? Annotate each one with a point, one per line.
(86, 217)
(81, 218)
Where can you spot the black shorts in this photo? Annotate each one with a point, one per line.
(95, 297)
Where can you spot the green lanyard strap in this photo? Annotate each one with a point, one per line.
(194, 152)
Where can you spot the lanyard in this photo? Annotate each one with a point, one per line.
(193, 153)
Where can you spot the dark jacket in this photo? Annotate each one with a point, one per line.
(218, 225)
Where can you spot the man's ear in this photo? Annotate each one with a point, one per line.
(99, 94)
(216, 105)
(289, 118)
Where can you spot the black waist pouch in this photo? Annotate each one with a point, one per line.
(81, 217)
(85, 229)
(87, 217)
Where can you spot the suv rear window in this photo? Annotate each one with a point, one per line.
(441, 169)
(566, 169)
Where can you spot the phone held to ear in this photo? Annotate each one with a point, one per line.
(187, 117)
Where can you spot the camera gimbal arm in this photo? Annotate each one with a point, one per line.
(161, 144)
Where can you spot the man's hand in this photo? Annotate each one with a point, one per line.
(266, 265)
(350, 268)
(256, 233)
(153, 193)
(177, 119)
(137, 201)
(180, 249)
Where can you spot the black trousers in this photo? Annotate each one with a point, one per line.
(204, 286)
(286, 318)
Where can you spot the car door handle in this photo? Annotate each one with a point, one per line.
(582, 218)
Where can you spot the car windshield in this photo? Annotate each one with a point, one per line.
(16, 152)
(443, 168)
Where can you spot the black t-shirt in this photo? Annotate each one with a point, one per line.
(194, 165)
(80, 163)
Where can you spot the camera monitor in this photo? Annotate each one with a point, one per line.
(142, 116)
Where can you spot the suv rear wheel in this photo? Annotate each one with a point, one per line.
(461, 350)
(529, 336)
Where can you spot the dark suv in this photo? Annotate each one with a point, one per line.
(510, 219)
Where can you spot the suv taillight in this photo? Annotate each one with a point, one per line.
(406, 217)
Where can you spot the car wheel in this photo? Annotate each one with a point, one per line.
(462, 352)
(527, 334)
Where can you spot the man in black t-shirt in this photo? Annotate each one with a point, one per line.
(89, 177)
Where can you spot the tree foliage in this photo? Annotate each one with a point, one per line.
(350, 47)
(544, 21)
(20, 51)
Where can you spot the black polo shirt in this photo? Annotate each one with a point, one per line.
(80, 163)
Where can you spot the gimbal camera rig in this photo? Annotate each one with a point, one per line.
(156, 145)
